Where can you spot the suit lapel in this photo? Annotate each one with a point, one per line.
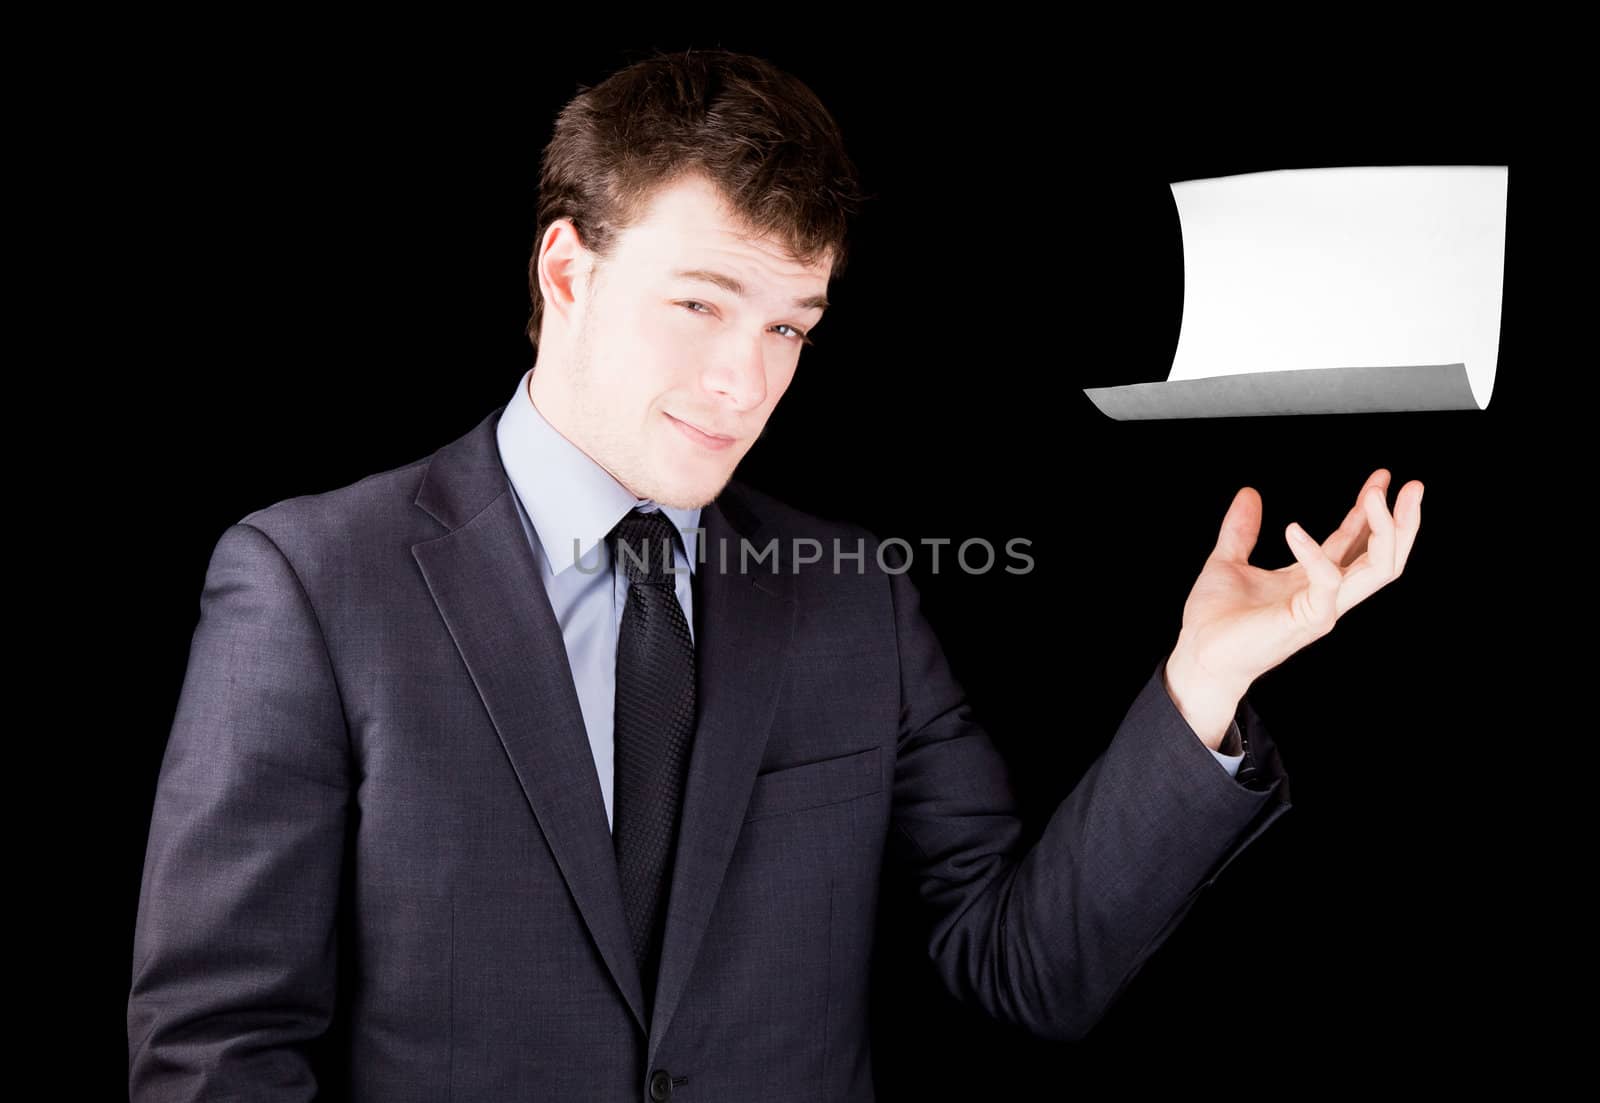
(486, 583)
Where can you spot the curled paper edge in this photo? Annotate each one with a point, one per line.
(1359, 390)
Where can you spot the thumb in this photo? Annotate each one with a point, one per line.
(1240, 527)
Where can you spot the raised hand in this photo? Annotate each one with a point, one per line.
(1241, 621)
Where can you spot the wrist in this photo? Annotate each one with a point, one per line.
(1207, 698)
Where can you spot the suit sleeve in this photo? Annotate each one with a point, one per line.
(1046, 938)
(234, 944)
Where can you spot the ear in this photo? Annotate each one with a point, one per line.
(562, 266)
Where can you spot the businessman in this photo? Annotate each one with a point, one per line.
(557, 765)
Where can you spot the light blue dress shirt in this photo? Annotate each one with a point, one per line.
(569, 504)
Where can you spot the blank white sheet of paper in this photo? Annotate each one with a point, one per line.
(1333, 290)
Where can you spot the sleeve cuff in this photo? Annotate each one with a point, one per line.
(1230, 756)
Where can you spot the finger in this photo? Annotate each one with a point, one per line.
(1353, 529)
(1407, 519)
(1375, 568)
(1350, 534)
(1381, 546)
(1240, 527)
(1322, 575)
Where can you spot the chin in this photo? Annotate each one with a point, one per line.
(693, 490)
(690, 496)
(691, 478)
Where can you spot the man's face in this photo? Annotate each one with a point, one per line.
(657, 358)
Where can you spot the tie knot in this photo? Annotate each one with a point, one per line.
(644, 546)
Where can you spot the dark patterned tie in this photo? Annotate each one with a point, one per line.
(654, 725)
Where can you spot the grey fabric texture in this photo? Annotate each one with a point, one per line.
(378, 804)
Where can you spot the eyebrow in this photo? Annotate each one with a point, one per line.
(735, 287)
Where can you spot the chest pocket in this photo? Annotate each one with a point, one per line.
(814, 784)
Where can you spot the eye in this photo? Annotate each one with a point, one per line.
(691, 304)
(800, 337)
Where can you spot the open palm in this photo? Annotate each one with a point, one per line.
(1245, 620)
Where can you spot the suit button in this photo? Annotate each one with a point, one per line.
(660, 1085)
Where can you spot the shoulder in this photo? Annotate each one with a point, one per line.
(361, 526)
(349, 510)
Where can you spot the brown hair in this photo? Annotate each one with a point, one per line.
(763, 137)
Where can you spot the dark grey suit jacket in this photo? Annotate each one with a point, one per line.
(378, 811)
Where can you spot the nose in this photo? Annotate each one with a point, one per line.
(738, 375)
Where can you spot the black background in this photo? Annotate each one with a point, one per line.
(317, 248)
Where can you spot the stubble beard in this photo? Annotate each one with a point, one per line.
(622, 454)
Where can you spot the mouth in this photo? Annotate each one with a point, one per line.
(713, 441)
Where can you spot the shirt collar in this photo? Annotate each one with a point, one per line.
(567, 494)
